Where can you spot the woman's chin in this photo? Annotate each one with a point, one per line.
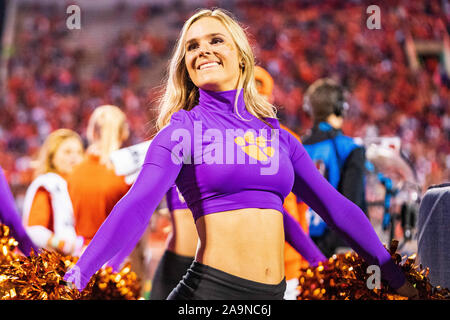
(212, 86)
(215, 85)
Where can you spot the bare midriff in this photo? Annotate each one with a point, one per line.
(247, 243)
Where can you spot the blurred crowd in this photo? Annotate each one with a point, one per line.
(300, 44)
(297, 42)
(47, 89)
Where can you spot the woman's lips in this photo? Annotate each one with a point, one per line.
(208, 65)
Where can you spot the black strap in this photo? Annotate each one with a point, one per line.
(333, 141)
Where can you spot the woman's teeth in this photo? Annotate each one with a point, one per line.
(208, 65)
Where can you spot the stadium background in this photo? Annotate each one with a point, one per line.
(52, 77)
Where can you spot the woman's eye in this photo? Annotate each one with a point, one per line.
(192, 46)
(216, 40)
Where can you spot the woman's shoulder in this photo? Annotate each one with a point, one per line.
(183, 117)
(181, 124)
(285, 132)
(42, 193)
(49, 180)
(273, 122)
(43, 186)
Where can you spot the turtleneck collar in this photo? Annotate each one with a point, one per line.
(222, 101)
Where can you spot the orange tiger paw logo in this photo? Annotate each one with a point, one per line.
(255, 147)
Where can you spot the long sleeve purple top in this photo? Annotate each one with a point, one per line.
(10, 217)
(222, 157)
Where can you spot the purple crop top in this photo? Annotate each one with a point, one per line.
(224, 158)
(221, 169)
(175, 200)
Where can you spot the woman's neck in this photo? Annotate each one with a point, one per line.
(223, 101)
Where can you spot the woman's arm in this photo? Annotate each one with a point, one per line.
(38, 222)
(10, 217)
(116, 262)
(296, 237)
(40, 227)
(341, 214)
(126, 222)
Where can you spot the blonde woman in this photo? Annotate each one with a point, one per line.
(93, 185)
(47, 209)
(223, 147)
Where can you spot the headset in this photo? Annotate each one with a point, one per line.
(339, 108)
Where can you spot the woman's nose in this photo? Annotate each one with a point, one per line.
(205, 49)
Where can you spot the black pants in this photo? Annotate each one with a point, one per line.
(171, 269)
(203, 282)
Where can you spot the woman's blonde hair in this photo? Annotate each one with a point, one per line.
(181, 93)
(107, 129)
(44, 162)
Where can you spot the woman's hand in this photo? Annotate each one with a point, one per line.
(407, 290)
(72, 278)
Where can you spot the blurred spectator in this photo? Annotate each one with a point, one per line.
(93, 185)
(48, 212)
(337, 156)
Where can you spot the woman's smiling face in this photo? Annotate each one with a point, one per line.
(211, 58)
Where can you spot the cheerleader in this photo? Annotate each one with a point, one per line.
(10, 217)
(47, 209)
(93, 186)
(220, 143)
(182, 241)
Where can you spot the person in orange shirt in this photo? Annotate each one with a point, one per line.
(47, 210)
(293, 261)
(93, 185)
